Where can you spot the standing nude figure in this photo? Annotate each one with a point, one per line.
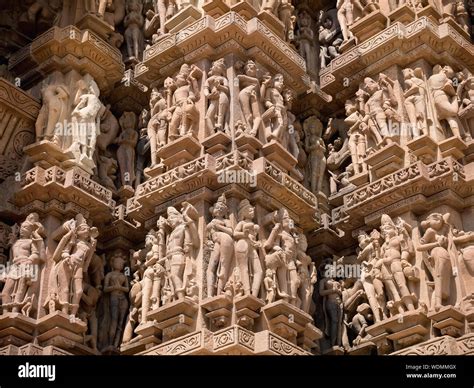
(315, 149)
(445, 97)
(157, 128)
(306, 271)
(415, 101)
(345, 16)
(246, 246)
(220, 235)
(331, 291)
(127, 141)
(395, 251)
(357, 138)
(216, 90)
(438, 242)
(185, 115)
(27, 253)
(116, 285)
(249, 97)
(282, 253)
(133, 23)
(183, 241)
(52, 113)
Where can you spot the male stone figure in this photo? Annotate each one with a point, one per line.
(71, 257)
(27, 253)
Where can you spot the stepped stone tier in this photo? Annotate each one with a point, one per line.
(261, 177)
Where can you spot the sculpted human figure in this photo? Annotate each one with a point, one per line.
(87, 311)
(153, 258)
(246, 249)
(315, 149)
(345, 16)
(394, 4)
(86, 120)
(465, 93)
(143, 147)
(371, 276)
(415, 101)
(270, 284)
(329, 41)
(249, 97)
(106, 169)
(271, 6)
(396, 251)
(185, 115)
(331, 291)
(357, 137)
(116, 285)
(181, 247)
(380, 106)
(282, 256)
(276, 111)
(220, 234)
(137, 265)
(71, 257)
(133, 24)
(157, 128)
(306, 272)
(305, 40)
(445, 98)
(360, 322)
(216, 90)
(438, 242)
(285, 14)
(26, 254)
(109, 129)
(40, 15)
(165, 9)
(127, 142)
(52, 113)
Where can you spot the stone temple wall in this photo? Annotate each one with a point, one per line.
(236, 177)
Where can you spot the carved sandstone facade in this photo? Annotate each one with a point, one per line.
(225, 177)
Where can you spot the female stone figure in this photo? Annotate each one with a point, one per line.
(249, 97)
(116, 284)
(52, 114)
(153, 273)
(445, 98)
(306, 272)
(133, 24)
(86, 121)
(127, 142)
(220, 234)
(395, 251)
(276, 112)
(216, 90)
(157, 128)
(357, 138)
(331, 291)
(246, 246)
(305, 41)
(345, 16)
(281, 257)
(371, 274)
(415, 101)
(315, 148)
(437, 241)
(185, 93)
(465, 93)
